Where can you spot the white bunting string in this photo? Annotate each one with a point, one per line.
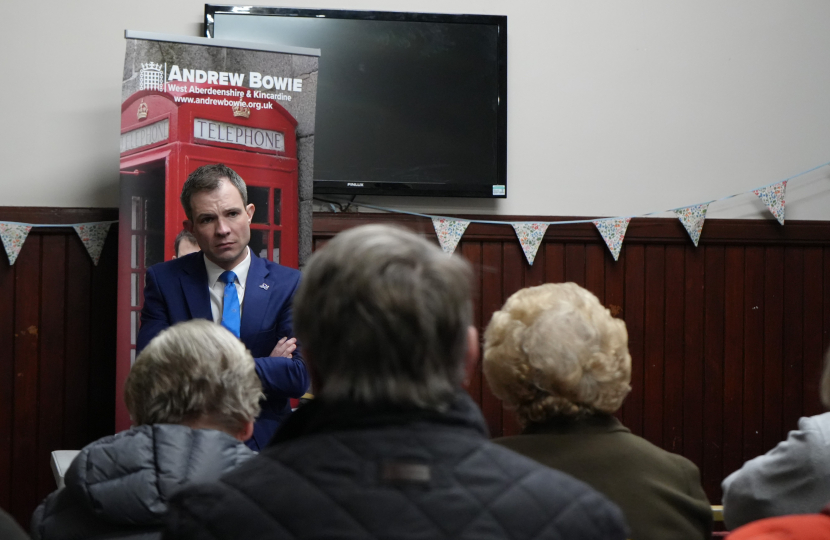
(92, 235)
(691, 216)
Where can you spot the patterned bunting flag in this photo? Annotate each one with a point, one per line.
(13, 235)
(93, 236)
(530, 236)
(449, 232)
(613, 232)
(692, 218)
(773, 197)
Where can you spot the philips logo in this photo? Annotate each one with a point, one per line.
(354, 184)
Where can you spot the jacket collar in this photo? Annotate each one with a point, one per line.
(593, 424)
(194, 286)
(320, 416)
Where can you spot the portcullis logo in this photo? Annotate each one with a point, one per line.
(152, 77)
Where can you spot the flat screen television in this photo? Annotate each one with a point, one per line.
(407, 103)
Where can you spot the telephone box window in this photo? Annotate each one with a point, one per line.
(276, 250)
(277, 206)
(134, 290)
(258, 196)
(154, 249)
(259, 243)
(134, 251)
(136, 213)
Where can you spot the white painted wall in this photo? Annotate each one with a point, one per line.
(616, 107)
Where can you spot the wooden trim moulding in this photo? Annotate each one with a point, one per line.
(49, 215)
(640, 230)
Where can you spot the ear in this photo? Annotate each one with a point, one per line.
(246, 432)
(471, 356)
(188, 226)
(250, 211)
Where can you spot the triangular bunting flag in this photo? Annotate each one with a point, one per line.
(449, 232)
(93, 236)
(13, 235)
(530, 236)
(773, 197)
(692, 218)
(613, 232)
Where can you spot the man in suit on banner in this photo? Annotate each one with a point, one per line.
(226, 283)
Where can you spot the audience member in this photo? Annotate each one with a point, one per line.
(185, 244)
(557, 356)
(792, 478)
(798, 527)
(193, 394)
(392, 447)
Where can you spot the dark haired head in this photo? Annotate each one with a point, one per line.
(208, 178)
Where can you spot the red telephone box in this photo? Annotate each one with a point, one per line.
(165, 137)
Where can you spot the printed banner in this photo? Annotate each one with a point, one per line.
(613, 232)
(207, 101)
(530, 236)
(93, 235)
(692, 217)
(773, 197)
(449, 232)
(188, 102)
(13, 235)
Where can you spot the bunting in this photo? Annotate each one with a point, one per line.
(13, 235)
(613, 232)
(692, 218)
(530, 236)
(93, 235)
(773, 197)
(449, 232)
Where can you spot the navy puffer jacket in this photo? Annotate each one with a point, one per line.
(347, 471)
(119, 486)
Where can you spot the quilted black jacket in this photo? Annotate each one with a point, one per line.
(118, 486)
(346, 471)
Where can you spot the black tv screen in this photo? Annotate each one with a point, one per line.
(407, 103)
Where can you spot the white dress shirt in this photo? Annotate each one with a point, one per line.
(217, 288)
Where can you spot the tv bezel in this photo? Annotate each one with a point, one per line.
(413, 189)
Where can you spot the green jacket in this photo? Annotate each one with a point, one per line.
(659, 492)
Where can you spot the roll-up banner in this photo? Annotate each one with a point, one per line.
(188, 102)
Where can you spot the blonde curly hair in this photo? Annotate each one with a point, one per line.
(554, 350)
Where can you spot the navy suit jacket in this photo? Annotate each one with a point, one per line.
(177, 291)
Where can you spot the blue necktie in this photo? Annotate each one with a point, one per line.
(230, 305)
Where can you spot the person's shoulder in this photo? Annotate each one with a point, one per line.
(178, 265)
(636, 445)
(278, 271)
(93, 458)
(819, 422)
(568, 502)
(518, 467)
(133, 436)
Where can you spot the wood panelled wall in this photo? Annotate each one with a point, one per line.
(57, 351)
(726, 339)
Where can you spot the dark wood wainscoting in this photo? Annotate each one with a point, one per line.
(57, 351)
(726, 339)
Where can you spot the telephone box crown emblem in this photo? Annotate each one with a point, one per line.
(240, 109)
(143, 110)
